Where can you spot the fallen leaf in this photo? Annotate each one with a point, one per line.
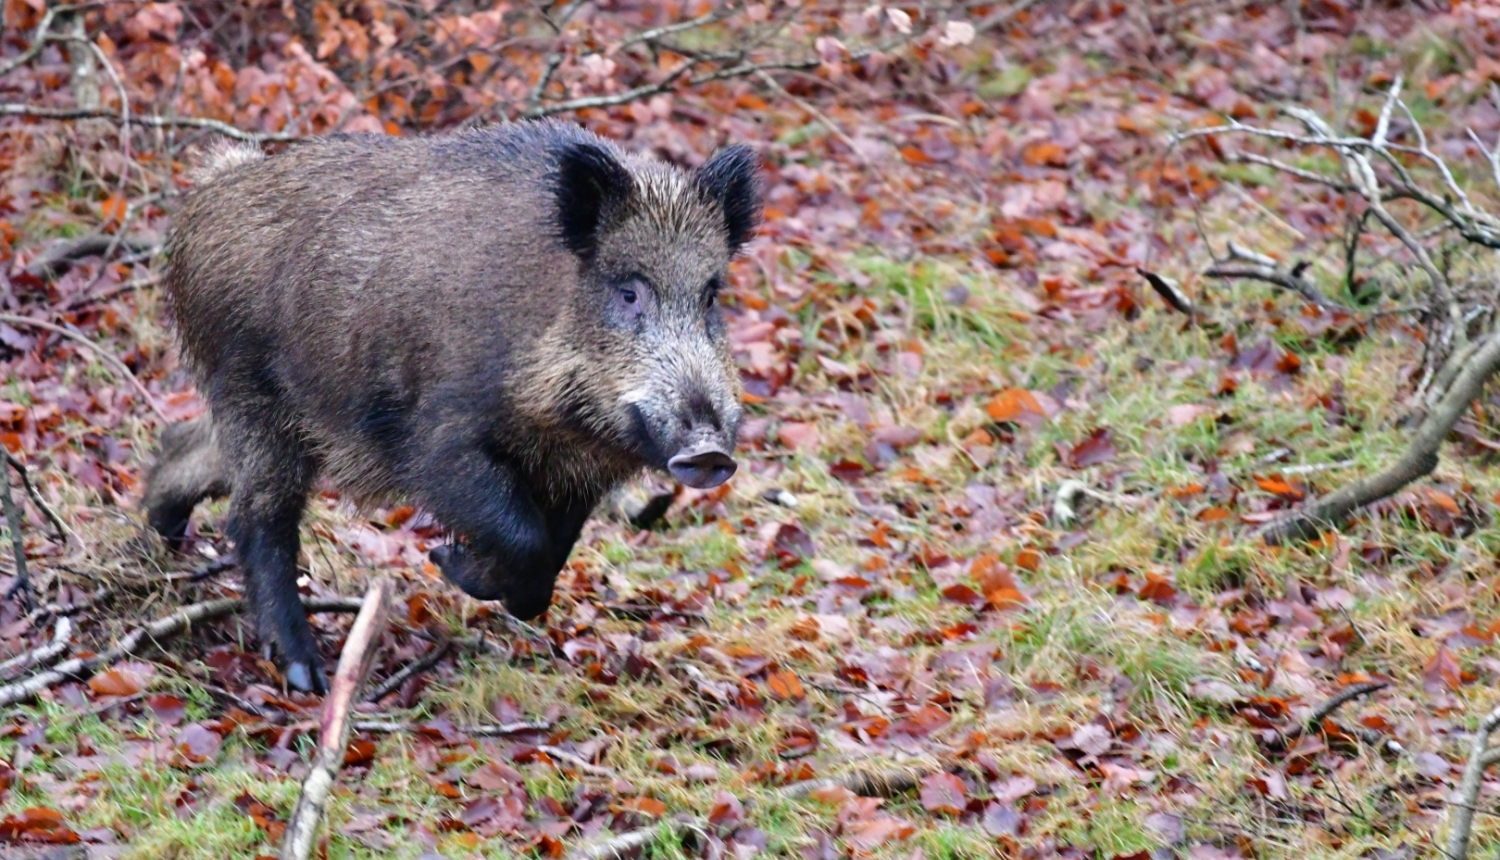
(943, 793)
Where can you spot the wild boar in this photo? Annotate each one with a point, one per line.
(497, 326)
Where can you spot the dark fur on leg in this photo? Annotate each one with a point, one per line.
(188, 469)
(513, 550)
(273, 476)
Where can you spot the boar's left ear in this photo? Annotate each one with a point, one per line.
(591, 186)
(731, 177)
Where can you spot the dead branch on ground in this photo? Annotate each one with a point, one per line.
(170, 625)
(1466, 801)
(333, 736)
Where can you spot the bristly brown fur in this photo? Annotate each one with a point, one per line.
(498, 325)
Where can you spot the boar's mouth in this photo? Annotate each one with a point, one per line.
(702, 466)
(701, 461)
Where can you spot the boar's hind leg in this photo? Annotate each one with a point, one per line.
(510, 552)
(188, 470)
(271, 484)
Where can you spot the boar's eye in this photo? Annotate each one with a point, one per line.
(628, 294)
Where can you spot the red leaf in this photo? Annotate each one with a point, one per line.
(1098, 448)
(37, 824)
(726, 812)
(168, 709)
(943, 793)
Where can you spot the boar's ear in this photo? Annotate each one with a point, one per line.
(591, 186)
(731, 177)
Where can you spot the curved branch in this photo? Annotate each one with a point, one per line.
(1420, 459)
(149, 121)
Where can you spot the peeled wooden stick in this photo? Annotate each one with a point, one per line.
(333, 730)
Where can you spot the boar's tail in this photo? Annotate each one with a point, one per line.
(189, 469)
(224, 156)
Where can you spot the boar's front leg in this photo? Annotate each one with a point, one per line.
(271, 483)
(511, 549)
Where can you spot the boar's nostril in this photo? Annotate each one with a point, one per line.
(702, 468)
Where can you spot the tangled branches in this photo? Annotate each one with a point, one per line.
(1462, 345)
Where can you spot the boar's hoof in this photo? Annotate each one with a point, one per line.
(465, 571)
(702, 467)
(306, 678)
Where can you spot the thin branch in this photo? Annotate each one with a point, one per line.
(390, 685)
(80, 338)
(148, 121)
(995, 19)
(333, 728)
(81, 667)
(484, 730)
(1291, 281)
(39, 41)
(62, 632)
(62, 531)
(1314, 721)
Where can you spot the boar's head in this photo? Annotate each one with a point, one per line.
(653, 371)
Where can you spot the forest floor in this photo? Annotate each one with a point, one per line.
(940, 326)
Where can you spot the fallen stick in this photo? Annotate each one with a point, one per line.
(333, 729)
(78, 667)
(171, 625)
(578, 762)
(61, 530)
(1314, 721)
(12, 512)
(1480, 757)
(411, 670)
(390, 727)
(46, 653)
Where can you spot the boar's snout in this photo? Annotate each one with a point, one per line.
(703, 465)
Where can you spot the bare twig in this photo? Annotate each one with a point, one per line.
(1467, 796)
(409, 671)
(1290, 280)
(58, 257)
(1419, 460)
(61, 530)
(1314, 721)
(170, 625)
(43, 35)
(108, 358)
(995, 19)
(578, 762)
(148, 121)
(333, 730)
(61, 634)
(483, 730)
